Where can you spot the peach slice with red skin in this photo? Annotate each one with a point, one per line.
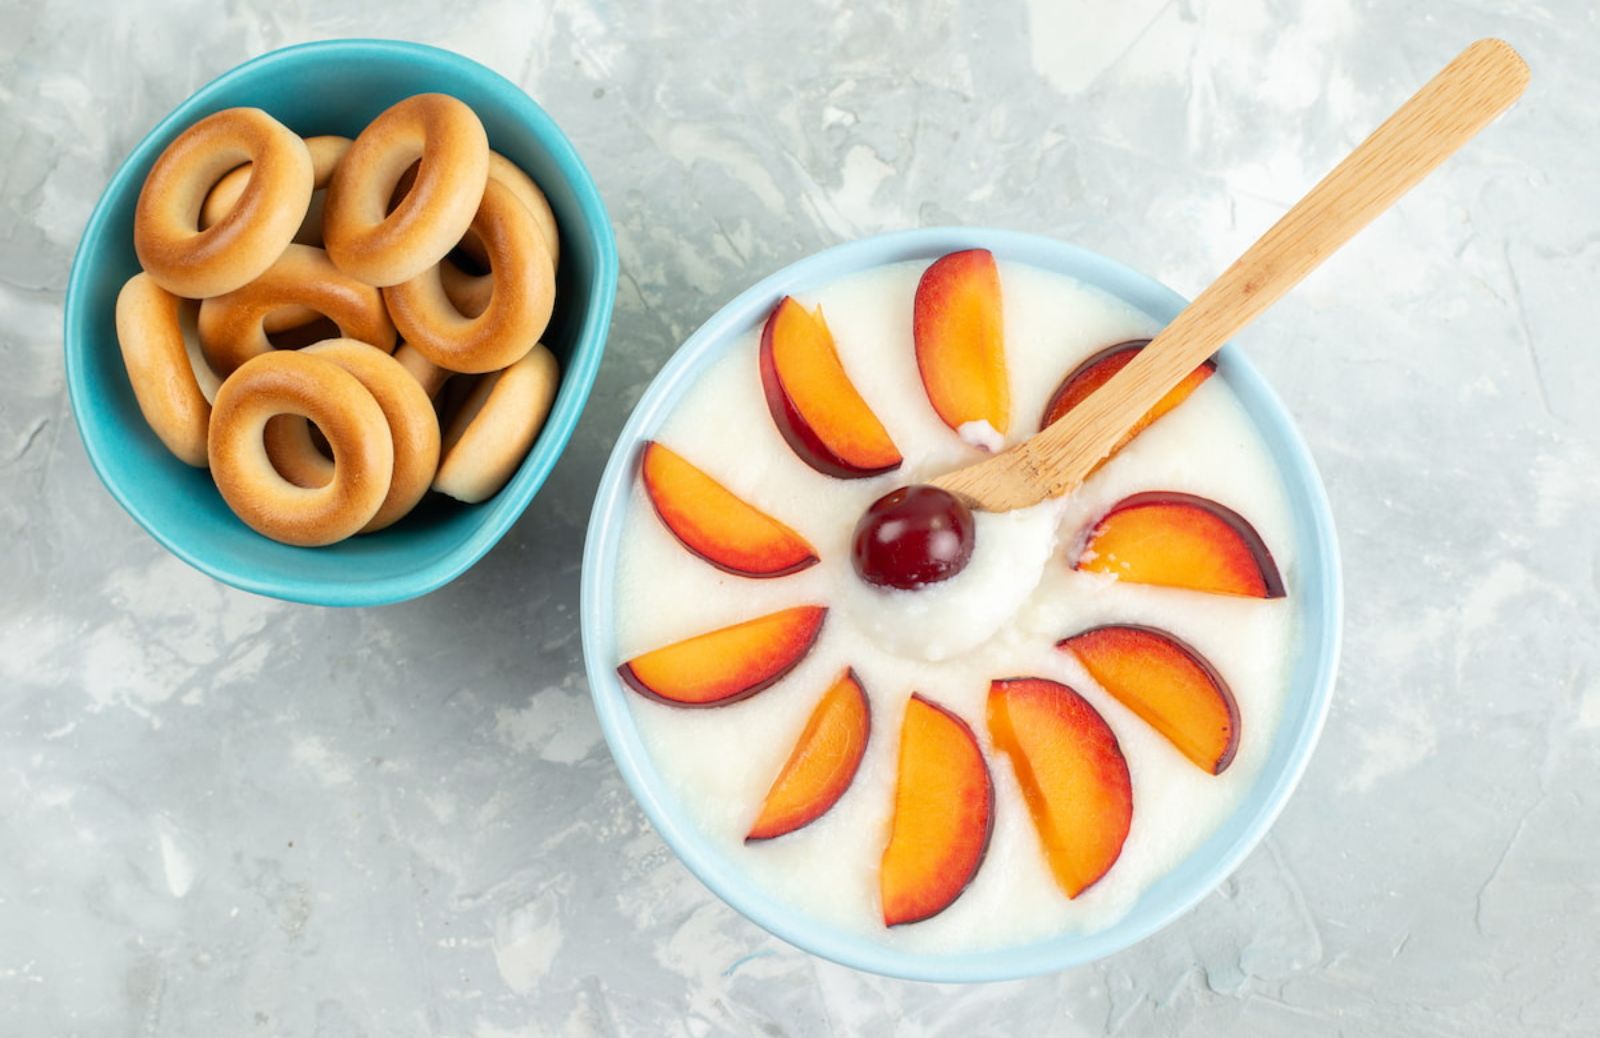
(959, 333)
(822, 764)
(728, 664)
(1073, 776)
(1168, 684)
(1183, 541)
(943, 815)
(1097, 371)
(714, 523)
(813, 402)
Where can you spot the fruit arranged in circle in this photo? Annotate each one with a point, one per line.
(1069, 766)
(1183, 541)
(1072, 773)
(1097, 371)
(715, 524)
(813, 402)
(823, 762)
(729, 664)
(943, 815)
(912, 537)
(1168, 684)
(959, 333)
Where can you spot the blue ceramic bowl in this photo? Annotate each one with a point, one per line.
(1318, 590)
(336, 86)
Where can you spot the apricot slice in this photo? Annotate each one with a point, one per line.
(823, 762)
(715, 524)
(1184, 541)
(1168, 684)
(1072, 773)
(729, 664)
(943, 815)
(1097, 371)
(960, 340)
(813, 402)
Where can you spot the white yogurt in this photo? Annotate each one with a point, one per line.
(1000, 617)
(1010, 553)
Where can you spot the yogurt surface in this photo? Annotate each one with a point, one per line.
(1000, 617)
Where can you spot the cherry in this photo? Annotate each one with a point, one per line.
(912, 537)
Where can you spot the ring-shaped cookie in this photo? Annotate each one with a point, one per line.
(150, 333)
(413, 428)
(468, 293)
(291, 382)
(428, 374)
(519, 305)
(233, 326)
(326, 151)
(196, 264)
(380, 247)
(511, 175)
(495, 426)
(189, 323)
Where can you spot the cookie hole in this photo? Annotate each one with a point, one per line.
(473, 263)
(298, 451)
(402, 187)
(303, 334)
(219, 200)
(469, 294)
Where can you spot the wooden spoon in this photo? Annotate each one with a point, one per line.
(1478, 85)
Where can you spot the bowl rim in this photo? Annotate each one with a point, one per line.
(1318, 652)
(577, 379)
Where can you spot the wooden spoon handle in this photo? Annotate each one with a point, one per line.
(1462, 99)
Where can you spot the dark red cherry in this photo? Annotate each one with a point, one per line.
(913, 537)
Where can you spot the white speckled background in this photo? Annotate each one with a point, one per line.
(223, 815)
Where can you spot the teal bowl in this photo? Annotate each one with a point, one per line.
(336, 86)
(1304, 709)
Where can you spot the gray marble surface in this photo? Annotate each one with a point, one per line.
(224, 815)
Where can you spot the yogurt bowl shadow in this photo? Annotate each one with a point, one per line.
(1305, 704)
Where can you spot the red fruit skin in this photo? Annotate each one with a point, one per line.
(629, 678)
(912, 537)
(696, 550)
(796, 431)
(823, 805)
(1270, 577)
(988, 831)
(1218, 682)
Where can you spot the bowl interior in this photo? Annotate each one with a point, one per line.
(1304, 708)
(320, 88)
